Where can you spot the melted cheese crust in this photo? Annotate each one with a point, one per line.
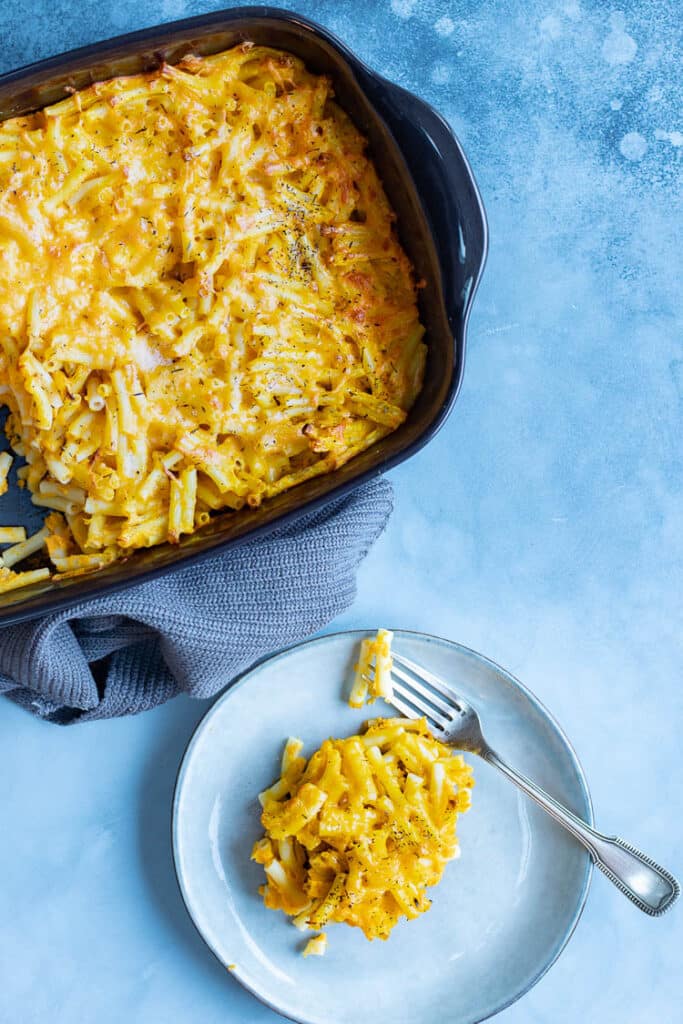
(359, 832)
(202, 297)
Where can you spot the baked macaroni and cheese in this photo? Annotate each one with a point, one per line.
(203, 301)
(359, 831)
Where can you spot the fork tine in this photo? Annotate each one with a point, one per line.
(419, 706)
(429, 695)
(426, 676)
(407, 710)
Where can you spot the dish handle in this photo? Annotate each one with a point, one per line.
(446, 186)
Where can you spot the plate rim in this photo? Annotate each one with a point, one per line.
(241, 678)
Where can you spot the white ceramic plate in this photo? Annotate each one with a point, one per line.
(500, 916)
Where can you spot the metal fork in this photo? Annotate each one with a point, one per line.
(418, 692)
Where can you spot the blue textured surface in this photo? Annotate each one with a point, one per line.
(544, 526)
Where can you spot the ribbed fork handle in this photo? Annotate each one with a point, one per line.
(648, 885)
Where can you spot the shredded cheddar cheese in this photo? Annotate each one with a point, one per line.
(203, 300)
(358, 832)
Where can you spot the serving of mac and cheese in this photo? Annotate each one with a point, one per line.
(203, 302)
(361, 829)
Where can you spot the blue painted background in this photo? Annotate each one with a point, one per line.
(543, 527)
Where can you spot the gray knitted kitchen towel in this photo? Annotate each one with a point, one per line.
(194, 630)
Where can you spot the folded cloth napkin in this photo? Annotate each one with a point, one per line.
(192, 631)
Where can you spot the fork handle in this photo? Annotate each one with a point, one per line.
(648, 885)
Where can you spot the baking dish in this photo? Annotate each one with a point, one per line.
(441, 224)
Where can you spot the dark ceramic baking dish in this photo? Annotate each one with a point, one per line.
(441, 224)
